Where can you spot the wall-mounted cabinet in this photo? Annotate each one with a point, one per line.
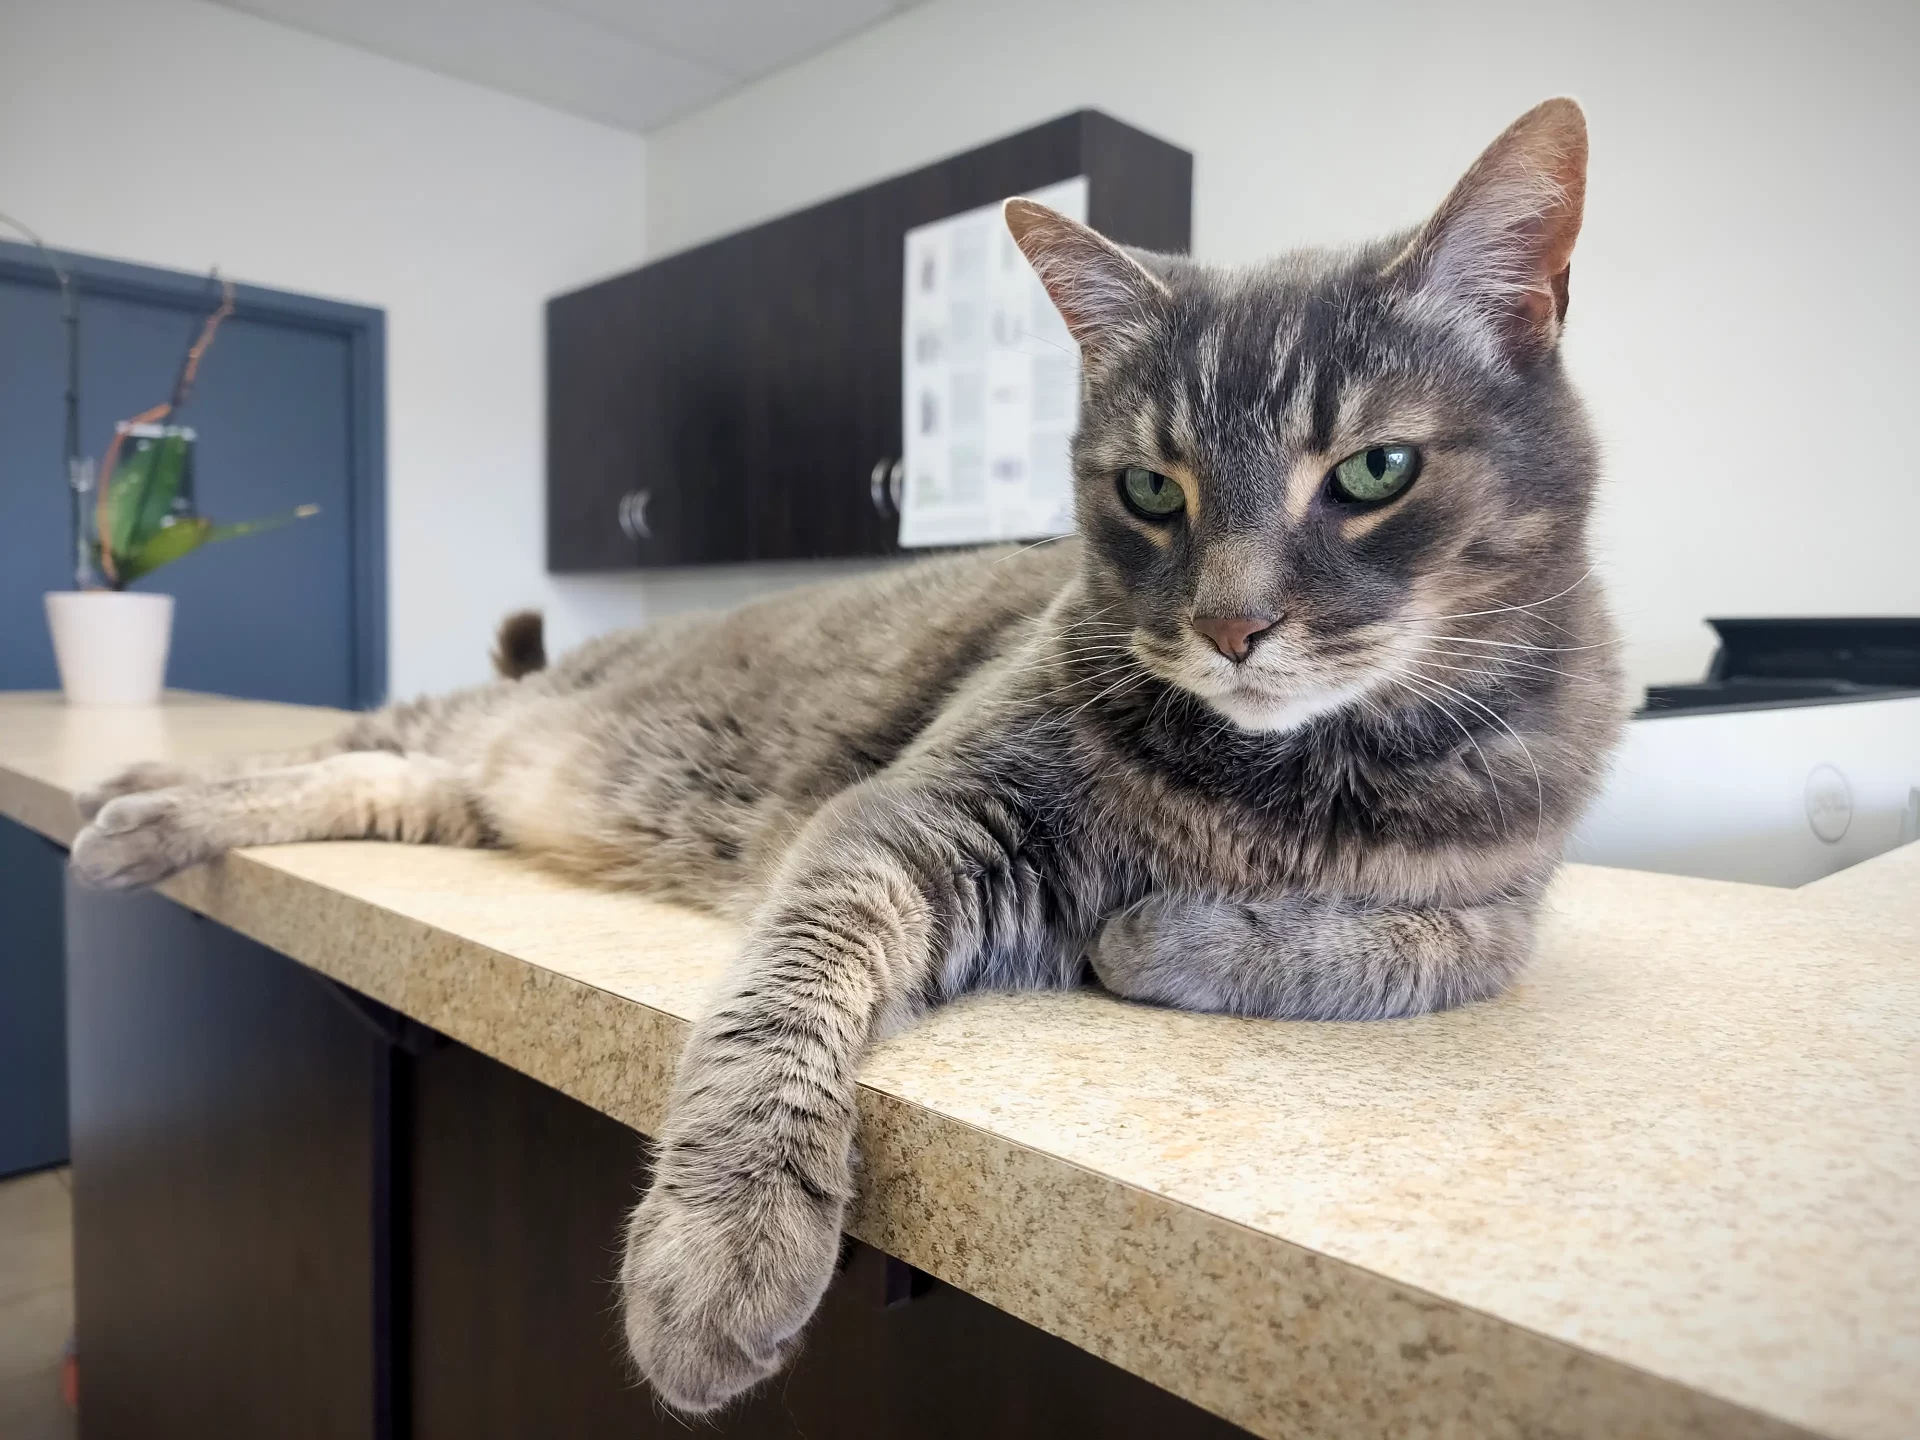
(741, 400)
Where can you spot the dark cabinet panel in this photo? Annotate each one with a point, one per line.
(33, 1002)
(815, 414)
(1153, 208)
(519, 1194)
(297, 1214)
(226, 1105)
(648, 460)
(741, 400)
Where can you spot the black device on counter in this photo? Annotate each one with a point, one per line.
(1764, 663)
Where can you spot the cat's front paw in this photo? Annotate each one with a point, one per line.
(147, 775)
(1127, 957)
(719, 1277)
(136, 840)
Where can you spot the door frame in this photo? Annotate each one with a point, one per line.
(365, 331)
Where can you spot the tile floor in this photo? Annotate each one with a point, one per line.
(36, 1304)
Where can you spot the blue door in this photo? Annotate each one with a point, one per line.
(288, 410)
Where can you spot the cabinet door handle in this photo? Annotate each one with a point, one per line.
(633, 515)
(876, 485)
(896, 480)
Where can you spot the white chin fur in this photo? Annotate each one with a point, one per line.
(1264, 713)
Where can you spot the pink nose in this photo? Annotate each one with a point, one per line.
(1232, 635)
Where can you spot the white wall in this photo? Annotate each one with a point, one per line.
(1745, 302)
(309, 166)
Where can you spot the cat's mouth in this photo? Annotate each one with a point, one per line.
(1255, 702)
(1274, 690)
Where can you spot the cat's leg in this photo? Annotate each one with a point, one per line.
(147, 775)
(1312, 957)
(141, 838)
(887, 893)
(404, 727)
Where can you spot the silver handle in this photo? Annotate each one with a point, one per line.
(896, 480)
(633, 515)
(876, 485)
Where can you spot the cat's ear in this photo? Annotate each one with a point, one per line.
(1099, 289)
(1495, 257)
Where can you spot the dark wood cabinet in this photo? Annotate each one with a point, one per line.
(229, 1110)
(648, 451)
(33, 1002)
(518, 1198)
(741, 400)
(298, 1214)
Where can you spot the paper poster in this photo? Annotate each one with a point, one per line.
(990, 384)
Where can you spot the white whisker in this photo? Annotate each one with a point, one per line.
(1123, 684)
(1524, 605)
(1500, 660)
(1011, 554)
(1539, 786)
(1493, 785)
(1512, 644)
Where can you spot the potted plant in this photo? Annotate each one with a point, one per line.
(111, 643)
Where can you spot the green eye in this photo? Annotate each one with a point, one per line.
(1149, 494)
(1374, 475)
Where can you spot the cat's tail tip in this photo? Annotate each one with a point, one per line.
(520, 645)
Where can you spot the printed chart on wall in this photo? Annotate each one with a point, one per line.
(990, 384)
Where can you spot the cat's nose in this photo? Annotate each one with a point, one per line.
(1232, 635)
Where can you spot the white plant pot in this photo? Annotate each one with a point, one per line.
(111, 646)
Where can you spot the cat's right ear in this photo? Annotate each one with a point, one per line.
(1494, 260)
(1099, 289)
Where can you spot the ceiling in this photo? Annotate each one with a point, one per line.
(635, 64)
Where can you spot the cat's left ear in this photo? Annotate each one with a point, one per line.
(1099, 289)
(1495, 257)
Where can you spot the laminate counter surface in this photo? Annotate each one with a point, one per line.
(1669, 1184)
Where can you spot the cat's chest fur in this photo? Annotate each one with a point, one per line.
(1196, 806)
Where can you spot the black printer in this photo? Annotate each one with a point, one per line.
(1769, 663)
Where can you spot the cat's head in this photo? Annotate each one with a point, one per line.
(1292, 480)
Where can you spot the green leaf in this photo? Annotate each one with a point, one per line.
(126, 496)
(271, 522)
(169, 465)
(187, 534)
(164, 546)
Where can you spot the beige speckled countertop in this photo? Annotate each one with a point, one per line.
(1670, 1185)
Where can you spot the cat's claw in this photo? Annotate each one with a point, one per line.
(135, 840)
(716, 1290)
(147, 775)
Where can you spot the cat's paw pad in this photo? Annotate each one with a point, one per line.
(716, 1290)
(147, 775)
(134, 840)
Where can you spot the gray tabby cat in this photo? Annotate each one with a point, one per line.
(1296, 727)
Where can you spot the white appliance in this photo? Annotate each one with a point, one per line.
(1771, 796)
